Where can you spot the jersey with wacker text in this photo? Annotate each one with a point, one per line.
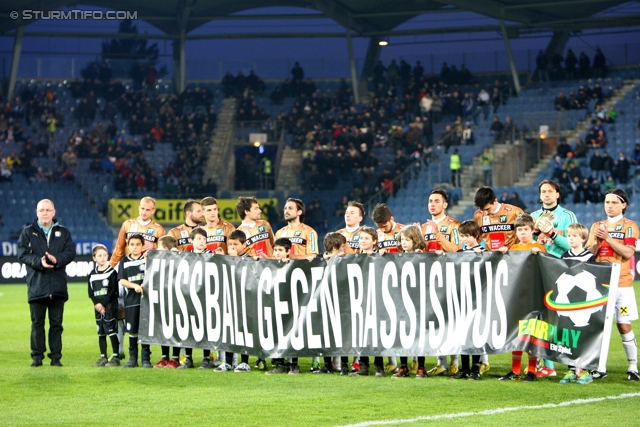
(353, 240)
(217, 236)
(151, 233)
(132, 270)
(624, 232)
(259, 239)
(446, 240)
(304, 239)
(498, 229)
(181, 233)
(391, 240)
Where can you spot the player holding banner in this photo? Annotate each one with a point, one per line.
(259, 233)
(192, 219)
(388, 230)
(217, 230)
(614, 240)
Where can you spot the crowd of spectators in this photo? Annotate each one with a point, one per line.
(581, 100)
(581, 67)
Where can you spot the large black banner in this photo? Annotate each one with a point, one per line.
(390, 305)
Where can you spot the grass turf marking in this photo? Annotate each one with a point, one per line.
(493, 411)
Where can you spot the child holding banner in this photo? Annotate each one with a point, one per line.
(168, 243)
(411, 241)
(576, 235)
(524, 226)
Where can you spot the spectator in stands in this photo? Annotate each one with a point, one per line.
(468, 137)
(455, 164)
(486, 159)
(599, 64)
(570, 63)
(151, 77)
(542, 62)
(580, 149)
(621, 168)
(496, 130)
(563, 148)
(561, 102)
(69, 157)
(585, 65)
(609, 184)
(436, 108)
(483, 103)
(515, 200)
(601, 139)
(635, 157)
(607, 163)
(582, 193)
(611, 115)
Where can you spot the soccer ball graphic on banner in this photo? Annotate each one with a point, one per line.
(579, 311)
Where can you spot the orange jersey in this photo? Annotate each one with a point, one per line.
(498, 229)
(259, 239)
(217, 236)
(181, 234)
(446, 238)
(391, 240)
(353, 240)
(624, 232)
(151, 233)
(527, 246)
(304, 239)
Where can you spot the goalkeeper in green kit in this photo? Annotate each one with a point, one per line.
(551, 225)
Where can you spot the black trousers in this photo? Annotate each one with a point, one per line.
(38, 315)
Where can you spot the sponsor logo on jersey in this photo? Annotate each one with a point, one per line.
(503, 219)
(444, 228)
(298, 241)
(216, 239)
(261, 228)
(355, 238)
(258, 237)
(297, 233)
(150, 231)
(57, 234)
(619, 236)
(183, 241)
(184, 233)
(105, 282)
(618, 227)
(219, 230)
(388, 244)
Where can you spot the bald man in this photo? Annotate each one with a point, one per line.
(46, 247)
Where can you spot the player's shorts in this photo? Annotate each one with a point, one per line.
(132, 319)
(107, 323)
(626, 308)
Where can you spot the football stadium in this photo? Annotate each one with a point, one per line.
(401, 212)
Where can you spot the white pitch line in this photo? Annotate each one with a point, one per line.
(493, 411)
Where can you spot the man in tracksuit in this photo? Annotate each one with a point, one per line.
(46, 247)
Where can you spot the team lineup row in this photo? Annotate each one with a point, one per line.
(495, 226)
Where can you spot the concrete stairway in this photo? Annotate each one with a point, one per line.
(288, 175)
(219, 166)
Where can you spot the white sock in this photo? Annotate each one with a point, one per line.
(631, 348)
(442, 361)
(454, 360)
(484, 358)
(336, 362)
(392, 360)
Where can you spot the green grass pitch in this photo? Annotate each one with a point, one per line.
(80, 395)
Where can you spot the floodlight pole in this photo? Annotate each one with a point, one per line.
(15, 60)
(512, 64)
(352, 66)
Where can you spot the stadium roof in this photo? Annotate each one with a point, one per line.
(366, 18)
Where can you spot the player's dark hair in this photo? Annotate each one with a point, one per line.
(238, 235)
(621, 195)
(470, 228)
(208, 201)
(198, 232)
(188, 207)
(136, 237)
(484, 196)
(96, 248)
(524, 220)
(244, 204)
(443, 193)
(552, 183)
(357, 205)
(283, 242)
(333, 241)
(299, 206)
(381, 214)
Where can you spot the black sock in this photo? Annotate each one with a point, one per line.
(421, 362)
(294, 360)
(102, 342)
(115, 343)
(188, 352)
(206, 354)
(403, 361)
(175, 354)
(327, 362)
(165, 351)
(228, 358)
(133, 342)
(244, 358)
